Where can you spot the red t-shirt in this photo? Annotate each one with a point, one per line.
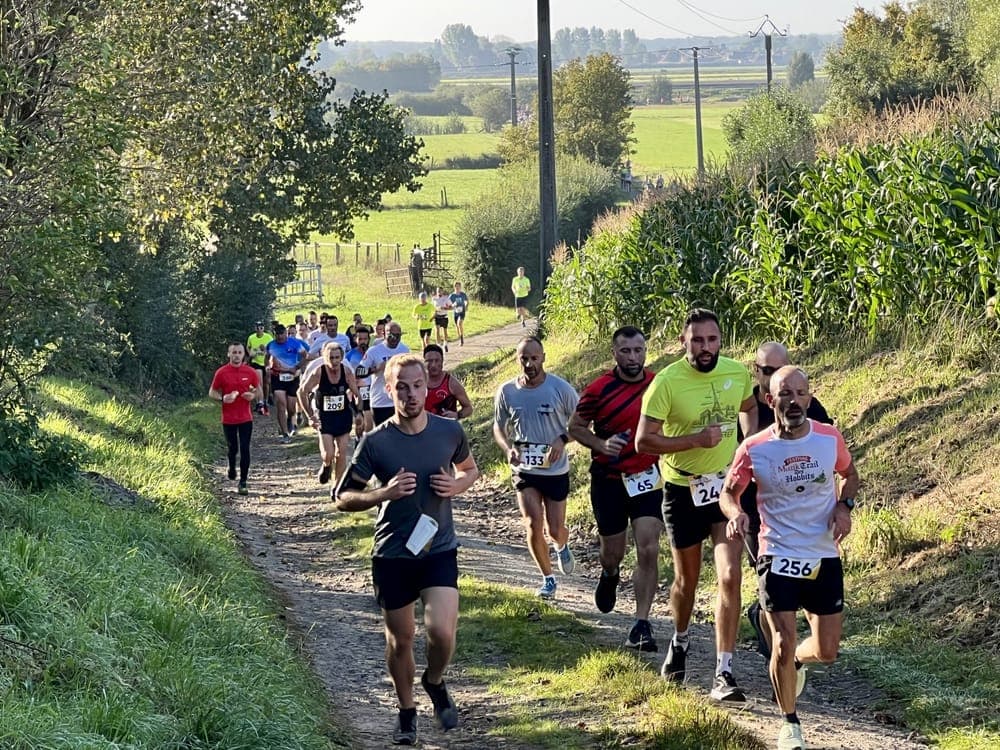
(441, 398)
(614, 406)
(228, 379)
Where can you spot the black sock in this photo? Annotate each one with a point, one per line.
(611, 573)
(408, 713)
(798, 664)
(792, 718)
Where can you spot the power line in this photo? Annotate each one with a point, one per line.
(705, 18)
(656, 20)
(715, 15)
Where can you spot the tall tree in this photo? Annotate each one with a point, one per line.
(984, 40)
(801, 68)
(592, 105)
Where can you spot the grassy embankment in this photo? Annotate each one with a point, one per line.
(130, 619)
(921, 414)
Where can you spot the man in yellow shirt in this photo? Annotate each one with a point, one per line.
(257, 347)
(689, 416)
(521, 286)
(423, 312)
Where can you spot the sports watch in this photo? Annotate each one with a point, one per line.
(848, 501)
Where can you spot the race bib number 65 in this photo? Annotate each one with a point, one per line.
(706, 488)
(643, 481)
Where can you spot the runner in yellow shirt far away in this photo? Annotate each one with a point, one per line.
(521, 286)
(423, 313)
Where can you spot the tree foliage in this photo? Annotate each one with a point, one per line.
(592, 104)
(801, 69)
(897, 58)
(983, 29)
(493, 105)
(770, 130)
(659, 90)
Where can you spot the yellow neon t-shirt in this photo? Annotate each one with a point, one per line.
(521, 286)
(256, 344)
(423, 313)
(686, 401)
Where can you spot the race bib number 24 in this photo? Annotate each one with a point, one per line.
(706, 488)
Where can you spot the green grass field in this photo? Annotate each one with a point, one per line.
(665, 138)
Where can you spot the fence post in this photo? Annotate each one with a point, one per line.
(357, 252)
(397, 253)
(377, 247)
(319, 281)
(316, 252)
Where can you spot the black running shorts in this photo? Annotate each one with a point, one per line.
(400, 580)
(613, 508)
(291, 387)
(549, 487)
(781, 593)
(441, 321)
(687, 524)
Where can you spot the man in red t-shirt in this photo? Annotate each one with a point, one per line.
(625, 485)
(237, 385)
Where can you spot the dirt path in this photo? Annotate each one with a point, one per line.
(283, 525)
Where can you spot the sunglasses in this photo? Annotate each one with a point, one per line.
(766, 369)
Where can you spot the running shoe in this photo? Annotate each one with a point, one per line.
(754, 615)
(284, 440)
(725, 688)
(640, 637)
(242, 489)
(674, 667)
(292, 430)
(523, 325)
(232, 472)
(405, 732)
(260, 407)
(445, 712)
(790, 737)
(266, 411)
(800, 679)
(323, 475)
(461, 340)
(606, 593)
(567, 563)
(548, 588)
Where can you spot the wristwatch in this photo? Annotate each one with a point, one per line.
(565, 438)
(848, 501)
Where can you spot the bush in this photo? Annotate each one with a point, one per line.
(29, 457)
(500, 230)
(769, 131)
(483, 161)
(434, 104)
(426, 126)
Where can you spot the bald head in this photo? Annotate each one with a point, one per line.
(772, 349)
(791, 377)
(770, 356)
(790, 398)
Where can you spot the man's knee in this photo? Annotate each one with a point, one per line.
(647, 553)
(441, 634)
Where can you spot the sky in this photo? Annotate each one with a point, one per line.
(423, 20)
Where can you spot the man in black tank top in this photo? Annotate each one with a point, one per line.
(337, 409)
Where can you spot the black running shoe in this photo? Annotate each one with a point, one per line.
(323, 475)
(445, 712)
(232, 472)
(606, 593)
(725, 688)
(674, 667)
(242, 489)
(405, 732)
(754, 614)
(641, 637)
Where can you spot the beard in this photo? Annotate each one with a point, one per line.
(702, 365)
(793, 420)
(631, 370)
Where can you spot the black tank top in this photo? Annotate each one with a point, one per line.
(332, 397)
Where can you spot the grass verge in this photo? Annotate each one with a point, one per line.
(129, 617)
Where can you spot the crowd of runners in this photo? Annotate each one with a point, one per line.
(704, 450)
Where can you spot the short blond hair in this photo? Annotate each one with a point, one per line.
(397, 363)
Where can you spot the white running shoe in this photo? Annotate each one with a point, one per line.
(790, 737)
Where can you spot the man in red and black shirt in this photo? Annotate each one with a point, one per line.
(237, 385)
(625, 485)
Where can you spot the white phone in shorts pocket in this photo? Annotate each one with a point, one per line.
(422, 535)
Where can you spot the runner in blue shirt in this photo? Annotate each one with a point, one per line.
(459, 306)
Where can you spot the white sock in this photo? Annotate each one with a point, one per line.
(724, 662)
(681, 639)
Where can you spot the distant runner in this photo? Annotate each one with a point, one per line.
(257, 346)
(446, 395)
(459, 307)
(421, 461)
(373, 363)
(442, 304)
(237, 385)
(625, 486)
(286, 360)
(803, 518)
(363, 337)
(423, 313)
(520, 285)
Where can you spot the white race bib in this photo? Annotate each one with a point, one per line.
(706, 488)
(643, 481)
(792, 567)
(285, 377)
(365, 391)
(459, 308)
(333, 403)
(535, 455)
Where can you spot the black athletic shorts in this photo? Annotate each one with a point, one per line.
(399, 580)
(382, 413)
(613, 508)
(459, 316)
(425, 332)
(781, 593)
(291, 387)
(261, 371)
(687, 524)
(441, 321)
(550, 487)
(520, 301)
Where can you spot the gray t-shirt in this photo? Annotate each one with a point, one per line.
(376, 356)
(536, 417)
(383, 452)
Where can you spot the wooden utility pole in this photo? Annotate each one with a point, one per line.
(767, 45)
(512, 51)
(546, 145)
(697, 109)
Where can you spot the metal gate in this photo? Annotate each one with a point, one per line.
(308, 283)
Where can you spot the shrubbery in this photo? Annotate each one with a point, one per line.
(436, 103)
(500, 230)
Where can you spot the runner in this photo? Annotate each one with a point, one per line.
(334, 414)
(373, 364)
(313, 321)
(421, 461)
(459, 306)
(624, 485)
(354, 357)
(771, 357)
(423, 312)
(689, 416)
(804, 517)
(257, 345)
(531, 418)
(328, 333)
(442, 304)
(237, 385)
(521, 286)
(446, 395)
(352, 329)
(286, 358)
(379, 332)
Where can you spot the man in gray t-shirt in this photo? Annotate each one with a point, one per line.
(531, 415)
(421, 461)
